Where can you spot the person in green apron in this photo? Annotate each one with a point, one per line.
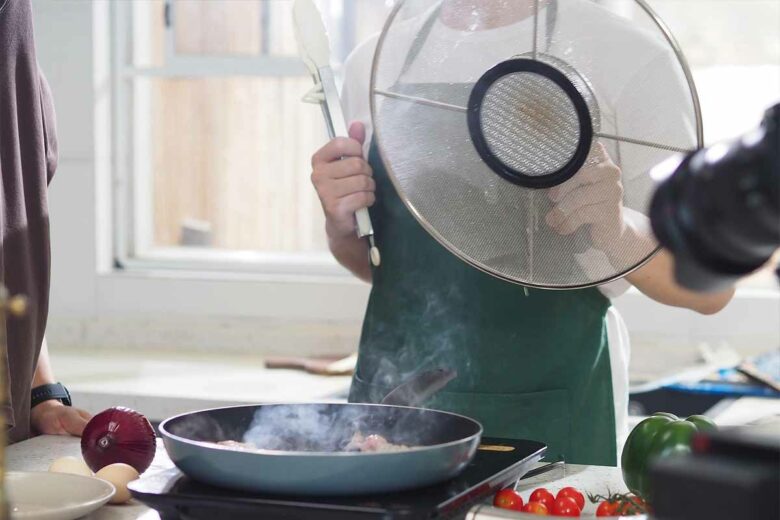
(531, 364)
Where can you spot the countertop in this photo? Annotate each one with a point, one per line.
(36, 454)
(165, 384)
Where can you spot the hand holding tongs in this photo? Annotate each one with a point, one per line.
(315, 51)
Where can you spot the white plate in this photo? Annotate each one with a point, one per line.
(54, 496)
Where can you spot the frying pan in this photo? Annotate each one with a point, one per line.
(301, 445)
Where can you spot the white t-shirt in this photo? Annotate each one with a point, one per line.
(595, 33)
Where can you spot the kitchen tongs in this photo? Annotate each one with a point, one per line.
(314, 48)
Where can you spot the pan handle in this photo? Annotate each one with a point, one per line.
(420, 387)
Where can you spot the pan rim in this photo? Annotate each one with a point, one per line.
(283, 453)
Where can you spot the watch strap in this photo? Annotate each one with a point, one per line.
(56, 391)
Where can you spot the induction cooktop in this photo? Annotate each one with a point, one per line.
(497, 464)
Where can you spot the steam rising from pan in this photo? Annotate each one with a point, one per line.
(329, 428)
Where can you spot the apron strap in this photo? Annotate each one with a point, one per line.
(419, 42)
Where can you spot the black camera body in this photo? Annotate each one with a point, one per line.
(718, 209)
(729, 476)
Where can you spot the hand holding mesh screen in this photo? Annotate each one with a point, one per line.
(592, 198)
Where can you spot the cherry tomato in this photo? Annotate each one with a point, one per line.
(607, 508)
(508, 499)
(536, 508)
(543, 496)
(566, 506)
(572, 493)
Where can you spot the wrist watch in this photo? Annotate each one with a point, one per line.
(56, 392)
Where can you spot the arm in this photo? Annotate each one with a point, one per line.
(43, 371)
(344, 184)
(643, 102)
(351, 252)
(656, 280)
(53, 417)
(594, 198)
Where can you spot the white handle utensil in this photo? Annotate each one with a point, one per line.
(315, 51)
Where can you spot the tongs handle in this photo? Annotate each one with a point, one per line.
(337, 127)
(315, 50)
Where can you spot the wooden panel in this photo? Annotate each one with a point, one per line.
(235, 153)
(217, 26)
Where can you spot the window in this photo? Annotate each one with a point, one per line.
(212, 139)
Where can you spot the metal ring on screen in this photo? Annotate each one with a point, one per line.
(564, 127)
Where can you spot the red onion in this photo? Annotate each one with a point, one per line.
(118, 435)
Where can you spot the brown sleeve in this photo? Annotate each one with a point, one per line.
(27, 161)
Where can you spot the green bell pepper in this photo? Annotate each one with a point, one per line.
(660, 435)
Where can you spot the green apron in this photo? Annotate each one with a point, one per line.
(532, 364)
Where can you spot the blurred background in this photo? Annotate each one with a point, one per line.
(188, 243)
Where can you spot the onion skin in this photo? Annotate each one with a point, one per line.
(118, 435)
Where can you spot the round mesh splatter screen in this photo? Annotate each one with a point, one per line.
(585, 231)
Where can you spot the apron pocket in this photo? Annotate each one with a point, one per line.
(537, 416)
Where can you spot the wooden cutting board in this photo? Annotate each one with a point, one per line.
(326, 366)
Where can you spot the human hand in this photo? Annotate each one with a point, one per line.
(54, 418)
(593, 196)
(344, 181)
